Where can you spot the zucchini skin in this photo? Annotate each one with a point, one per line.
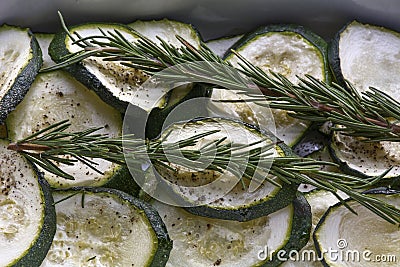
(39, 249)
(282, 199)
(313, 38)
(301, 229)
(21, 85)
(164, 245)
(333, 57)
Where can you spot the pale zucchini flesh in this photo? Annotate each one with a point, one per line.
(360, 237)
(56, 96)
(364, 158)
(369, 57)
(85, 238)
(167, 29)
(201, 241)
(22, 212)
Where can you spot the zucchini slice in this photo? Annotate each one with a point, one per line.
(106, 227)
(360, 240)
(320, 201)
(287, 49)
(27, 215)
(20, 61)
(200, 241)
(216, 195)
(366, 56)
(119, 85)
(56, 96)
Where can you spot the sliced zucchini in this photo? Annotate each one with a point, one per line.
(20, 61)
(223, 196)
(56, 96)
(366, 55)
(106, 227)
(362, 239)
(320, 201)
(221, 46)
(287, 49)
(200, 241)
(27, 215)
(119, 85)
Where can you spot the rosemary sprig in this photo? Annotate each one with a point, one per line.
(54, 146)
(373, 115)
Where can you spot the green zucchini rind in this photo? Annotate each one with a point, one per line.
(276, 47)
(56, 96)
(207, 193)
(21, 60)
(27, 221)
(215, 242)
(358, 238)
(106, 227)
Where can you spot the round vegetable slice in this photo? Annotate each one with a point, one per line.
(201, 241)
(366, 56)
(56, 96)
(359, 240)
(120, 85)
(27, 215)
(106, 227)
(287, 49)
(222, 195)
(20, 61)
